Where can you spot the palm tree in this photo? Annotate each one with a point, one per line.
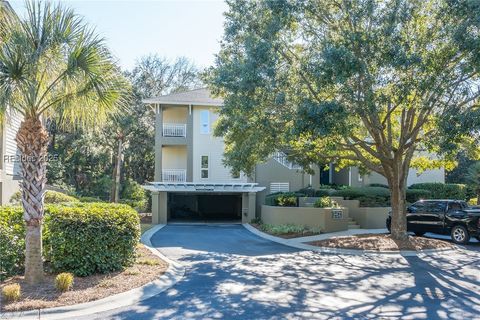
(52, 66)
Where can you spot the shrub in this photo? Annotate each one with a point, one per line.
(90, 199)
(287, 200)
(12, 237)
(88, 238)
(64, 281)
(443, 190)
(325, 202)
(368, 196)
(308, 192)
(58, 197)
(50, 197)
(11, 292)
(82, 238)
(283, 199)
(134, 195)
(285, 229)
(413, 195)
(380, 185)
(323, 192)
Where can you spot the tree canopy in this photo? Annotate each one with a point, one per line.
(351, 82)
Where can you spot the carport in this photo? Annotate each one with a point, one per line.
(202, 202)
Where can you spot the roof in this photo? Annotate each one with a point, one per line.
(200, 96)
(204, 187)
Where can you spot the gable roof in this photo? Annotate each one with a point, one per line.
(200, 96)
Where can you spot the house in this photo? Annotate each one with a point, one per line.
(191, 182)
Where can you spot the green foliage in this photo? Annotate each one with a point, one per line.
(473, 180)
(413, 195)
(283, 199)
(367, 84)
(64, 281)
(368, 196)
(323, 192)
(308, 191)
(256, 221)
(88, 238)
(381, 185)
(82, 238)
(11, 292)
(50, 197)
(134, 195)
(286, 229)
(54, 64)
(58, 197)
(89, 199)
(443, 190)
(12, 238)
(325, 202)
(85, 159)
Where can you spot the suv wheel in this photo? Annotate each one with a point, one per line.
(419, 233)
(460, 234)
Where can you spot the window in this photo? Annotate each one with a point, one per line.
(205, 122)
(236, 175)
(204, 167)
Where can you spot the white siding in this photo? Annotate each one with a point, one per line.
(213, 147)
(11, 127)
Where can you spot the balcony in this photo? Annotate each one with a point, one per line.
(174, 130)
(174, 175)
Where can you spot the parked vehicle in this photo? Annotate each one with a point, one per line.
(452, 217)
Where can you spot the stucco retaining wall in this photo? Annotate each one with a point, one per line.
(366, 217)
(317, 218)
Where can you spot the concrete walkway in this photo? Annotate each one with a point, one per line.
(233, 274)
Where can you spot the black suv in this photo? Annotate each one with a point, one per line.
(452, 217)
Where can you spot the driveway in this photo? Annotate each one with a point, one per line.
(233, 274)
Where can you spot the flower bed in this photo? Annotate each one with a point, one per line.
(147, 267)
(382, 242)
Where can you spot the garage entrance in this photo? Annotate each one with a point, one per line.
(203, 202)
(204, 207)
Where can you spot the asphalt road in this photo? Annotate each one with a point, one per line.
(233, 274)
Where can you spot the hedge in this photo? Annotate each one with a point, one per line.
(12, 241)
(413, 195)
(50, 197)
(82, 238)
(283, 199)
(368, 196)
(90, 238)
(443, 190)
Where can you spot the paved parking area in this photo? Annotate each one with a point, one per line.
(233, 274)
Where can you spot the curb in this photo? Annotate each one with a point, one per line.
(353, 252)
(172, 275)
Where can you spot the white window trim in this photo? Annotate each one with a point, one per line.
(207, 112)
(207, 168)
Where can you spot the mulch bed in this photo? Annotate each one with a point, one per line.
(382, 242)
(290, 235)
(147, 267)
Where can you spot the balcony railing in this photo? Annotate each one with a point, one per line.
(174, 175)
(281, 158)
(174, 130)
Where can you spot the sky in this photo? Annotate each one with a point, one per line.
(169, 28)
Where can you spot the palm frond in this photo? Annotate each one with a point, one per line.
(53, 64)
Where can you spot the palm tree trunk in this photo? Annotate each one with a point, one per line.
(32, 140)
